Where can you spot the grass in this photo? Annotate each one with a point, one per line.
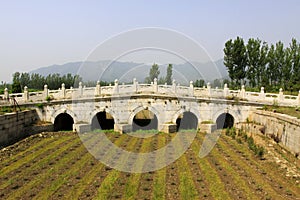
(292, 111)
(60, 167)
(159, 185)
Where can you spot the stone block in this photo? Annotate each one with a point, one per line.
(169, 128)
(208, 128)
(123, 128)
(82, 128)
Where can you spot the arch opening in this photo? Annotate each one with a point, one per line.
(187, 120)
(103, 121)
(145, 120)
(63, 122)
(225, 120)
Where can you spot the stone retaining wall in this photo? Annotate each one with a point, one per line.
(16, 126)
(283, 128)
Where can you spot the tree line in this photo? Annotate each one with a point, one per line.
(37, 81)
(258, 64)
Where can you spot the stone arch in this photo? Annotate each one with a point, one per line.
(225, 120)
(229, 111)
(102, 120)
(58, 112)
(94, 113)
(140, 108)
(155, 123)
(181, 111)
(188, 121)
(63, 122)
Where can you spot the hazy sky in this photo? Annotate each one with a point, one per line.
(40, 33)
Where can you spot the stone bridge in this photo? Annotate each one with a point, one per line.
(136, 106)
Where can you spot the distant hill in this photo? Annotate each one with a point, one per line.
(126, 71)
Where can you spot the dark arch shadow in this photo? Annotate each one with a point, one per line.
(187, 120)
(225, 120)
(145, 120)
(103, 121)
(63, 122)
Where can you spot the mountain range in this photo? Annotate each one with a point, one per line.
(107, 70)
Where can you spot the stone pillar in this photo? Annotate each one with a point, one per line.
(116, 90)
(6, 94)
(262, 94)
(98, 89)
(299, 98)
(155, 86)
(26, 94)
(174, 86)
(80, 89)
(63, 91)
(208, 89)
(191, 89)
(243, 92)
(280, 96)
(134, 85)
(226, 90)
(46, 92)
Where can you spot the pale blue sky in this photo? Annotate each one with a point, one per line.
(41, 33)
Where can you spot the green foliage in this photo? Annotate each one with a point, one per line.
(235, 59)
(49, 98)
(154, 72)
(39, 105)
(199, 83)
(272, 67)
(37, 81)
(241, 136)
(169, 75)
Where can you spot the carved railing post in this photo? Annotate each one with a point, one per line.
(80, 89)
(98, 89)
(135, 85)
(243, 92)
(262, 94)
(191, 89)
(299, 98)
(26, 94)
(280, 96)
(174, 86)
(226, 90)
(208, 89)
(6, 94)
(63, 91)
(155, 86)
(46, 92)
(116, 90)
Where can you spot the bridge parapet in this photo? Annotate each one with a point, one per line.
(175, 90)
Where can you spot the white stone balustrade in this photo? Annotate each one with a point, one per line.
(152, 89)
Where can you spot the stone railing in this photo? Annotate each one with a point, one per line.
(174, 90)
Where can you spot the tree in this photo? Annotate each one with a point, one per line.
(240, 60)
(229, 60)
(261, 73)
(169, 74)
(16, 86)
(199, 83)
(295, 62)
(235, 59)
(25, 80)
(253, 58)
(154, 72)
(287, 69)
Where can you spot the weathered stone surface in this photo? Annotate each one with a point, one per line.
(208, 128)
(284, 128)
